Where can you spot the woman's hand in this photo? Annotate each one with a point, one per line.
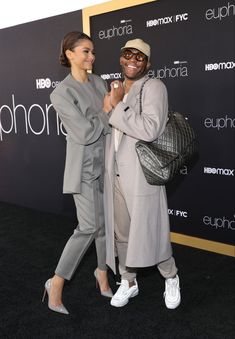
(117, 92)
(107, 107)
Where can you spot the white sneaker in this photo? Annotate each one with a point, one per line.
(172, 292)
(124, 293)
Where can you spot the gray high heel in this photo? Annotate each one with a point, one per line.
(108, 293)
(60, 308)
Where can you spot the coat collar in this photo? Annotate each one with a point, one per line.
(135, 88)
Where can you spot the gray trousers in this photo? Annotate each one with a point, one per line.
(90, 215)
(167, 268)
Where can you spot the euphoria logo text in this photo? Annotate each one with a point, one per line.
(113, 32)
(47, 119)
(220, 12)
(219, 123)
(219, 222)
(181, 70)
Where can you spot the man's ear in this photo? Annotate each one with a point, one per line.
(148, 65)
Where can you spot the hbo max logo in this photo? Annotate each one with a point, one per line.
(220, 66)
(167, 20)
(178, 213)
(219, 171)
(46, 83)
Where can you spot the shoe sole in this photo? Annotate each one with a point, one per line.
(126, 301)
(172, 306)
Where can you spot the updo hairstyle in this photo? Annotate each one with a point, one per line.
(70, 41)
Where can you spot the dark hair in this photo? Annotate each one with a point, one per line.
(70, 41)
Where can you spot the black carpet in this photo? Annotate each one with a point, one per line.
(30, 245)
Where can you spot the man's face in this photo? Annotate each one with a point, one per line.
(134, 63)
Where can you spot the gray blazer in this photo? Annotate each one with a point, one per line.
(149, 237)
(79, 106)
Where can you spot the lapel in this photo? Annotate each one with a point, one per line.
(118, 135)
(133, 94)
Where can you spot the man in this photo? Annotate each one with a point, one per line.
(137, 221)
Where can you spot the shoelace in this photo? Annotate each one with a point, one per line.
(121, 289)
(172, 282)
(172, 285)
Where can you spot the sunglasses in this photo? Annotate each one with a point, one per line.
(128, 54)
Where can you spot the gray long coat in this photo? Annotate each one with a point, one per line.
(149, 237)
(79, 106)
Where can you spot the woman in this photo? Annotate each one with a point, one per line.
(78, 100)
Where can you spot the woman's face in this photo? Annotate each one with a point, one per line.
(82, 56)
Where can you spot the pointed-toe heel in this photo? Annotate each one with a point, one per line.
(59, 309)
(108, 293)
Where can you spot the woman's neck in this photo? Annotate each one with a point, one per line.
(79, 75)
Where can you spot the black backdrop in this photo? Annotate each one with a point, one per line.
(32, 143)
(192, 52)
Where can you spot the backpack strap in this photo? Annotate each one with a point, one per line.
(170, 111)
(141, 91)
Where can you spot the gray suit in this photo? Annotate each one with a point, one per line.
(79, 106)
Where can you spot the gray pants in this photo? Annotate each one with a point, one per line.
(89, 207)
(167, 268)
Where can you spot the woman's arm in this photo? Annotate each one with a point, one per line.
(81, 129)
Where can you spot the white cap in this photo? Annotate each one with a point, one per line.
(138, 44)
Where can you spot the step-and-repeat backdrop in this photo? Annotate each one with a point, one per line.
(32, 140)
(192, 53)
